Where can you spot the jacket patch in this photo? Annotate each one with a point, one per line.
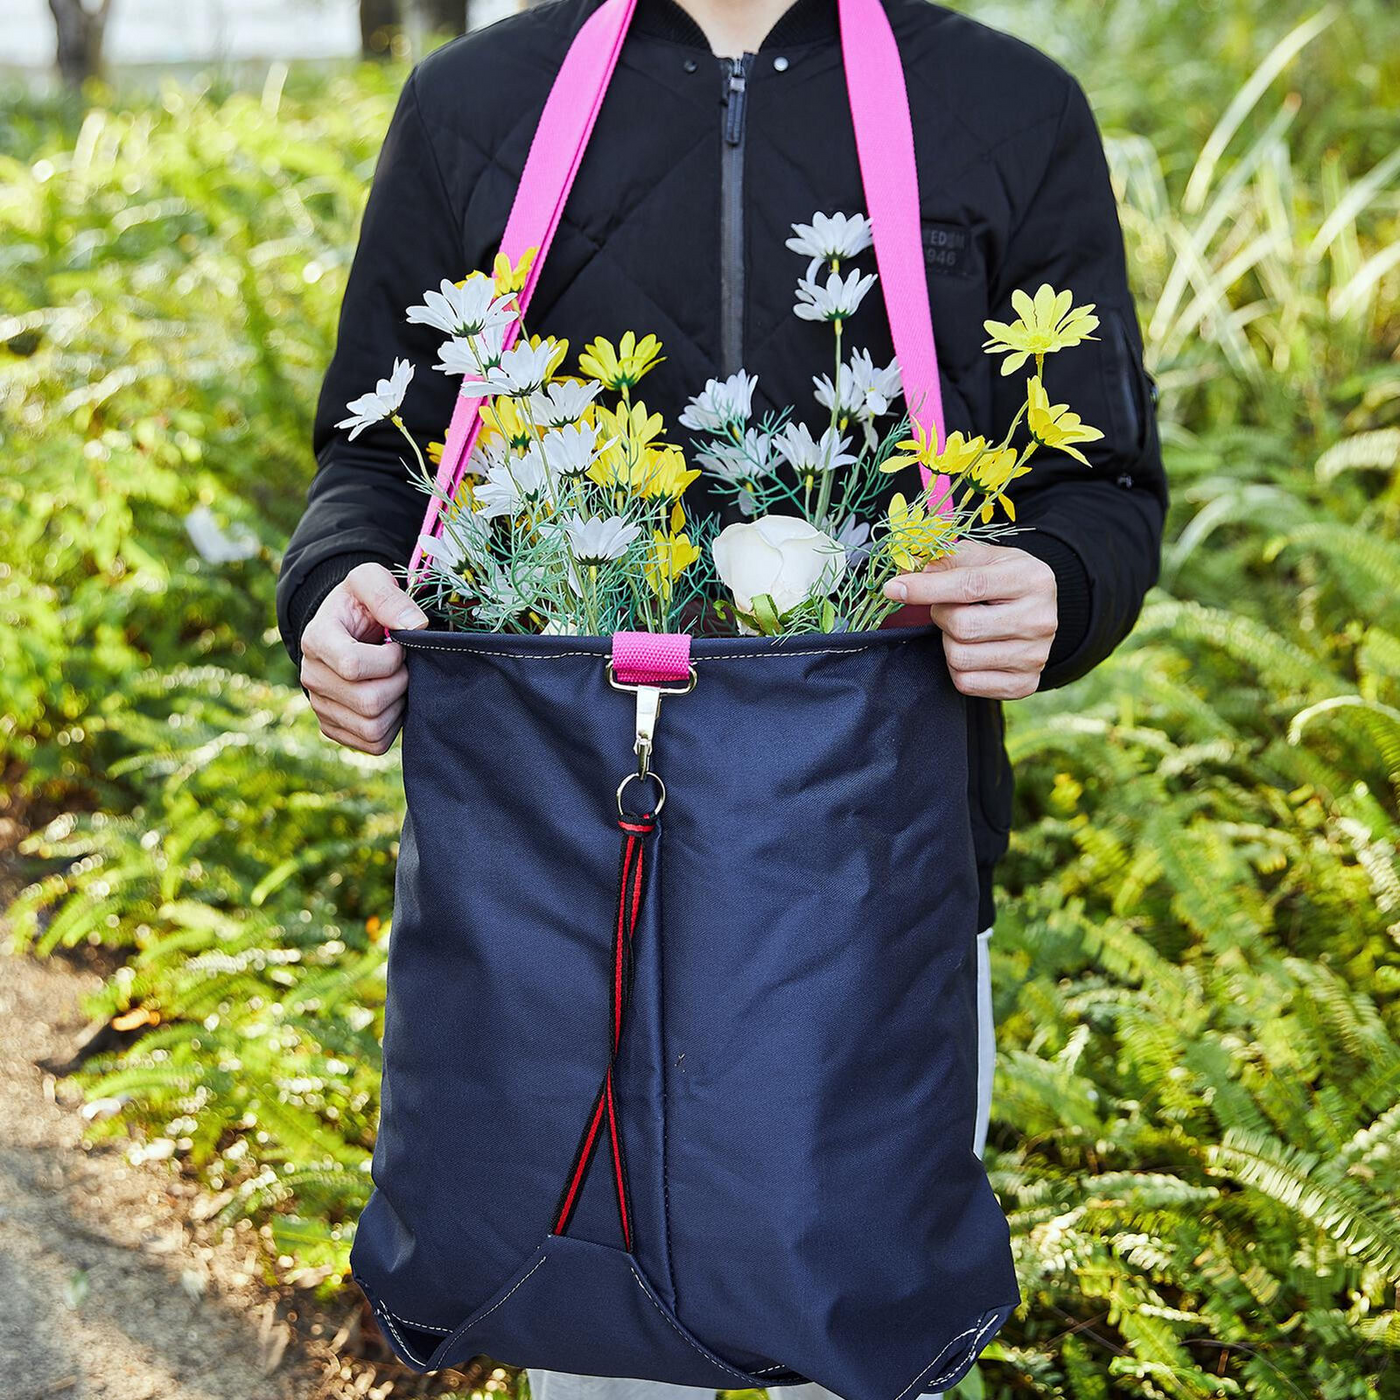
(948, 248)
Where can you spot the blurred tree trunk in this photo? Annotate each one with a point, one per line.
(80, 25)
(380, 20)
(443, 16)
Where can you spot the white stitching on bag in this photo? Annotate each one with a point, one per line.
(517, 655)
(467, 1326)
(713, 1360)
(775, 655)
(408, 1350)
(409, 1322)
(424, 1326)
(938, 1380)
(602, 655)
(981, 1331)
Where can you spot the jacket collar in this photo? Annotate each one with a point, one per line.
(803, 22)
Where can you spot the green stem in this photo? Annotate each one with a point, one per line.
(824, 495)
(399, 424)
(590, 601)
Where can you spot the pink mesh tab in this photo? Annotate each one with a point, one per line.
(651, 658)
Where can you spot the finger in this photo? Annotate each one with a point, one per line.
(377, 591)
(996, 685)
(1020, 655)
(969, 552)
(352, 740)
(1029, 619)
(998, 581)
(371, 729)
(328, 640)
(367, 698)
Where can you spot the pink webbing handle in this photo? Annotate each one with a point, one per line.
(890, 177)
(651, 658)
(884, 145)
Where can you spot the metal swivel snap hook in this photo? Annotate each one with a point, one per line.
(648, 712)
(648, 709)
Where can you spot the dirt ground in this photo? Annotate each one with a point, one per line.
(111, 1288)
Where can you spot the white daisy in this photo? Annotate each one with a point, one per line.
(502, 596)
(597, 540)
(510, 484)
(836, 301)
(464, 539)
(520, 372)
(796, 446)
(862, 390)
(722, 404)
(466, 310)
(571, 450)
(737, 461)
(442, 550)
(470, 355)
(485, 456)
(830, 236)
(557, 405)
(854, 538)
(383, 403)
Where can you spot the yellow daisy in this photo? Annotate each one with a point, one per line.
(1053, 425)
(620, 368)
(1048, 323)
(664, 472)
(959, 452)
(510, 279)
(633, 426)
(506, 416)
(993, 474)
(647, 471)
(915, 536)
(670, 556)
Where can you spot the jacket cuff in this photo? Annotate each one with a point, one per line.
(312, 591)
(1072, 591)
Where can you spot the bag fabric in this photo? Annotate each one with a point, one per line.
(796, 1085)
(564, 1385)
(698, 1110)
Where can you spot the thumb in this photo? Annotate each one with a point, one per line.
(378, 593)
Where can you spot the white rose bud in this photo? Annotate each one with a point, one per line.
(780, 555)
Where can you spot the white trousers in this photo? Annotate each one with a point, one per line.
(560, 1385)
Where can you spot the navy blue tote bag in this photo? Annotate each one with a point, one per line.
(680, 1082)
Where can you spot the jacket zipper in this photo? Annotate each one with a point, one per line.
(735, 72)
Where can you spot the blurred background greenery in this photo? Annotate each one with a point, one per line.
(1196, 963)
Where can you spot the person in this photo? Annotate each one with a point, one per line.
(727, 121)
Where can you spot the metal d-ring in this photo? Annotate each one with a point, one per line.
(685, 689)
(649, 776)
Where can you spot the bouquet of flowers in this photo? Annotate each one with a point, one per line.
(570, 517)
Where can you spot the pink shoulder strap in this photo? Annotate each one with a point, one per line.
(890, 178)
(889, 175)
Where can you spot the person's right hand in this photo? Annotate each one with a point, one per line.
(357, 684)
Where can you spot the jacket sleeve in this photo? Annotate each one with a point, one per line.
(363, 503)
(1099, 527)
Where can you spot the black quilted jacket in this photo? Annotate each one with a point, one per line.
(676, 225)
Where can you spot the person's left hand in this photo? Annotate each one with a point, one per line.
(998, 611)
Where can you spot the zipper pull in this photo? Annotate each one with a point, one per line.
(735, 92)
